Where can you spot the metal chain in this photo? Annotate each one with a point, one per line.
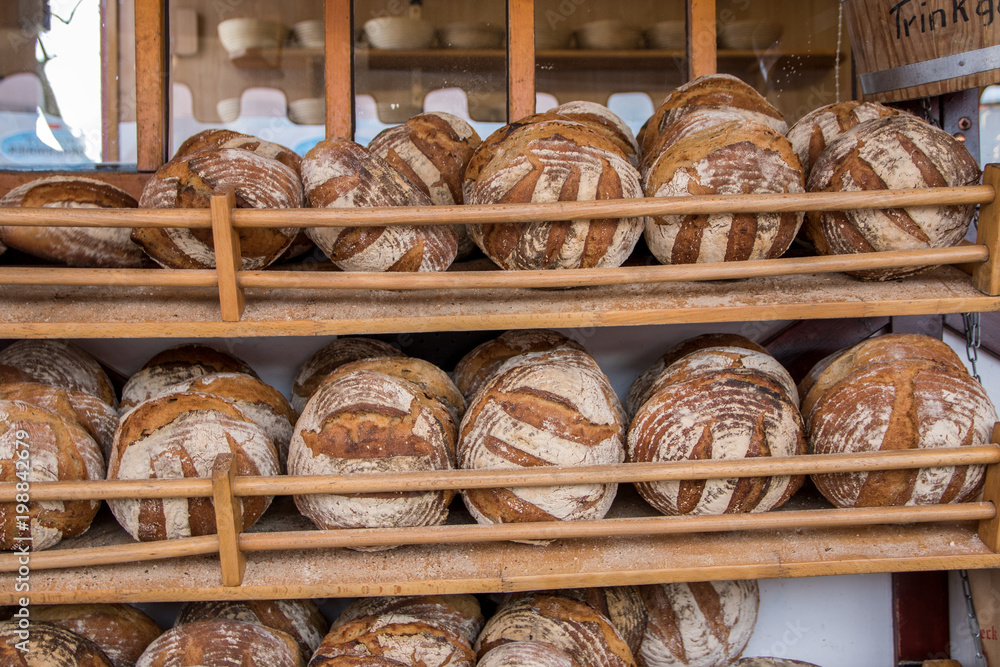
(973, 339)
(928, 112)
(973, 621)
(840, 32)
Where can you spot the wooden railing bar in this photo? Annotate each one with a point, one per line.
(55, 559)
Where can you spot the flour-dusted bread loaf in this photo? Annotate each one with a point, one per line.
(554, 161)
(811, 134)
(222, 643)
(338, 173)
(885, 154)
(97, 417)
(180, 435)
(697, 120)
(771, 662)
(37, 445)
(729, 158)
(120, 630)
(542, 411)
(106, 247)
(190, 180)
(10, 374)
(300, 619)
(399, 637)
(719, 415)
(905, 404)
(703, 624)
(568, 624)
(60, 364)
(214, 139)
(459, 613)
(523, 653)
(330, 357)
(603, 120)
(47, 645)
(369, 422)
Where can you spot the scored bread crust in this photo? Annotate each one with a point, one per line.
(120, 630)
(401, 637)
(97, 417)
(331, 356)
(61, 364)
(459, 613)
(222, 643)
(58, 646)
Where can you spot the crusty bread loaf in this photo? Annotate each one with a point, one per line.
(884, 154)
(697, 120)
(399, 637)
(214, 139)
(180, 435)
(553, 161)
(120, 630)
(811, 134)
(300, 619)
(48, 646)
(10, 374)
(368, 422)
(109, 247)
(704, 624)
(60, 364)
(190, 180)
(222, 643)
(603, 120)
(212, 359)
(97, 417)
(329, 358)
(459, 613)
(523, 653)
(573, 626)
(771, 662)
(904, 404)
(37, 445)
(729, 158)
(726, 414)
(338, 173)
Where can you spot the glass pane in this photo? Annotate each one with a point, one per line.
(67, 71)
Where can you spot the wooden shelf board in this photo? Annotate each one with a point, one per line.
(120, 312)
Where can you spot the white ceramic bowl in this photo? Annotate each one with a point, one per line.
(309, 33)
(240, 34)
(307, 111)
(399, 32)
(228, 109)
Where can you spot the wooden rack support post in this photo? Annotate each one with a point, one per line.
(989, 529)
(701, 48)
(520, 58)
(338, 68)
(151, 83)
(227, 256)
(228, 520)
(986, 277)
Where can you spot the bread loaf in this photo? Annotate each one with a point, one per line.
(884, 154)
(222, 643)
(212, 359)
(214, 139)
(460, 614)
(48, 645)
(693, 122)
(109, 247)
(37, 445)
(97, 417)
(771, 662)
(907, 404)
(731, 158)
(705, 624)
(189, 181)
(726, 414)
(605, 121)
(10, 374)
(332, 356)
(399, 637)
(570, 625)
(523, 653)
(121, 631)
(338, 173)
(60, 364)
(180, 435)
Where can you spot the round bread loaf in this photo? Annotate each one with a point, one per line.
(523, 653)
(60, 364)
(180, 435)
(719, 415)
(570, 625)
(603, 120)
(48, 645)
(704, 624)
(730, 158)
(214, 139)
(885, 154)
(554, 161)
(212, 359)
(542, 411)
(189, 181)
(771, 662)
(357, 661)
(907, 404)
(222, 643)
(338, 173)
(479, 364)
(37, 445)
(460, 614)
(369, 422)
(300, 619)
(399, 637)
(109, 247)
(697, 120)
(329, 358)
(97, 417)
(120, 630)
(10, 374)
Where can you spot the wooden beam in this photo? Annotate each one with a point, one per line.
(228, 520)
(520, 58)
(109, 81)
(151, 83)
(338, 69)
(227, 256)
(701, 47)
(986, 277)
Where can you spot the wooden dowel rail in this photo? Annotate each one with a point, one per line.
(204, 545)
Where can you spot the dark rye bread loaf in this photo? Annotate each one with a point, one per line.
(702, 624)
(330, 357)
(903, 404)
(729, 158)
(49, 448)
(180, 435)
(459, 613)
(885, 154)
(603, 120)
(398, 637)
(550, 161)
(108, 247)
(718, 415)
(97, 417)
(338, 173)
(190, 180)
(60, 364)
(48, 645)
(120, 630)
(522, 653)
(222, 643)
